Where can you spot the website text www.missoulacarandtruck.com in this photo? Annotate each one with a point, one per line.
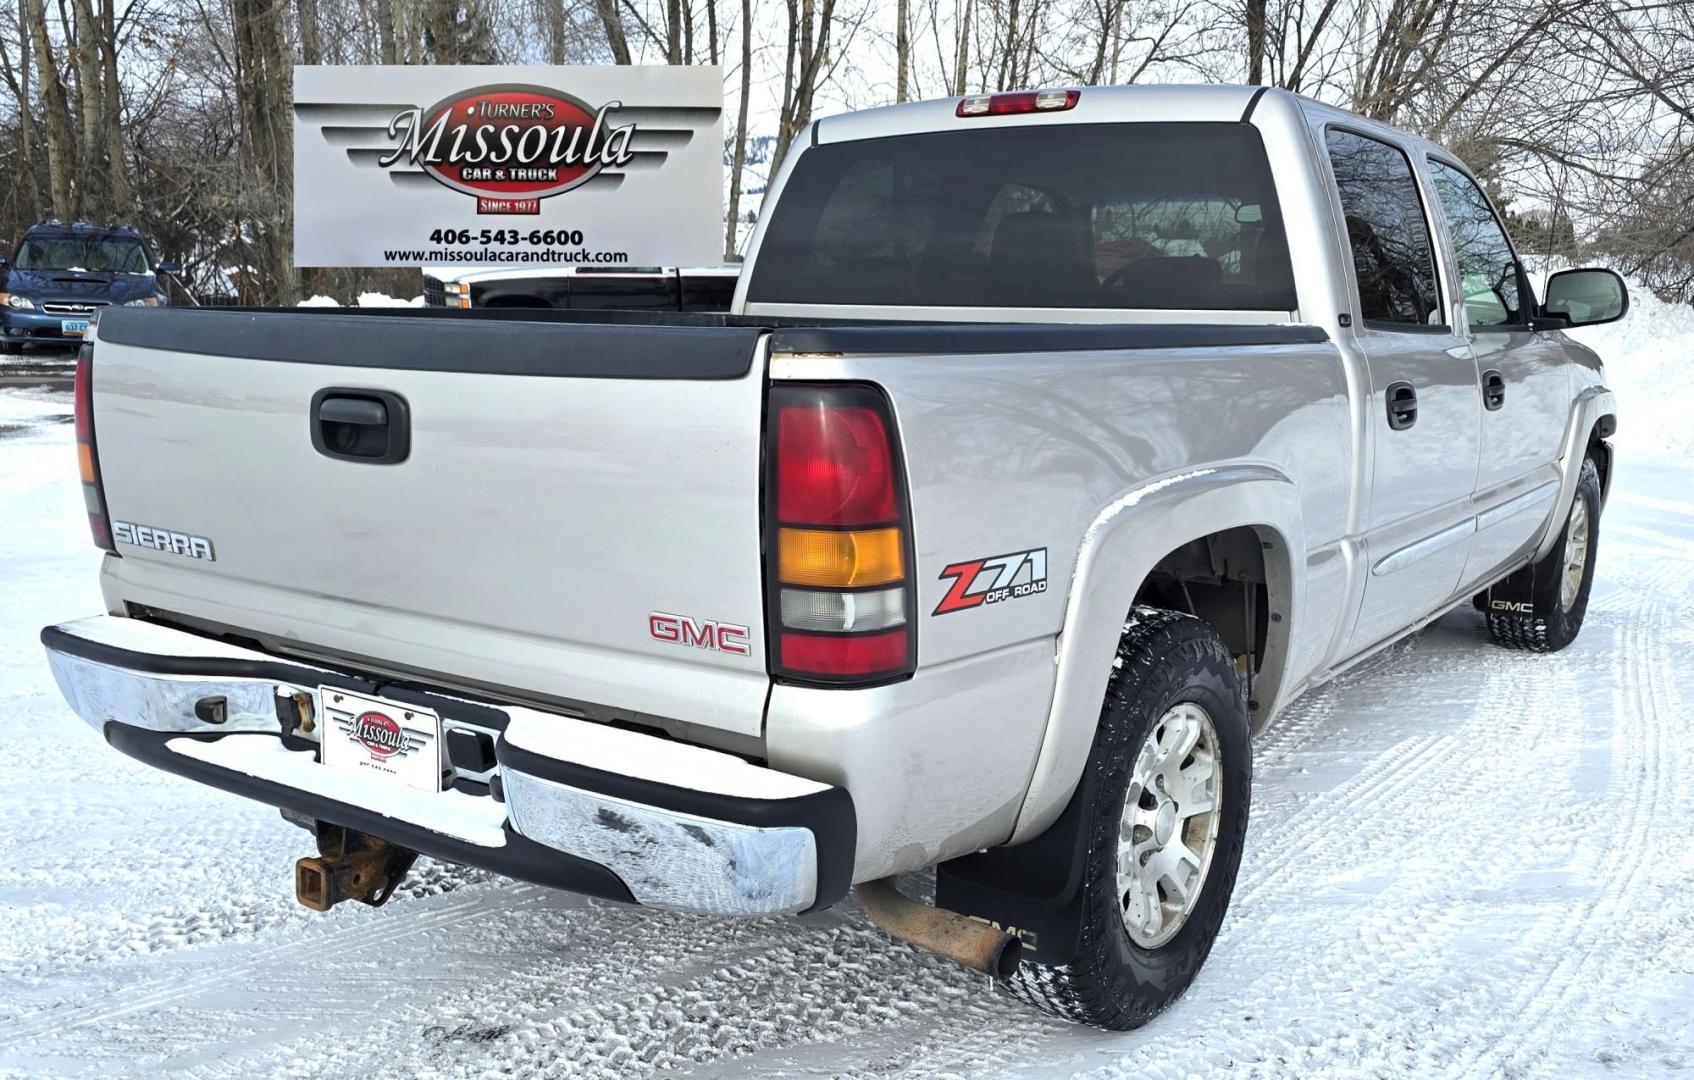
(479, 256)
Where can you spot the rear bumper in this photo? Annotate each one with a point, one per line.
(571, 804)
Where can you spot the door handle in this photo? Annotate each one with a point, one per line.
(1493, 390)
(1402, 400)
(373, 427)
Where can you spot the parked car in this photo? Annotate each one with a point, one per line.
(60, 275)
(585, 288)
(1191, 398)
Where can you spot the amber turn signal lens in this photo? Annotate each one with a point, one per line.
(85, 461)
(839, 560)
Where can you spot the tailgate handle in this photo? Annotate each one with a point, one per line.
(373, 427)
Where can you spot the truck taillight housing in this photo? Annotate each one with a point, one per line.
(838, 538)
(88, 458)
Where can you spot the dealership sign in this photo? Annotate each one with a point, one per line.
(515, 165)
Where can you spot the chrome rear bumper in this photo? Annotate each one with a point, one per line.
(569, 803)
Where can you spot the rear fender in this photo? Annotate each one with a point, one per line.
(1123, 544)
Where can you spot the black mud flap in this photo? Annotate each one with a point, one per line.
(1032, 889)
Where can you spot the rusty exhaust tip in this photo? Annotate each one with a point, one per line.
(959, 938)
(350, 866)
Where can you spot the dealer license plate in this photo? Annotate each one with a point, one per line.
(74, 327)
(372, 737)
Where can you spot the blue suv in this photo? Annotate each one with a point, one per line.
(61, 274)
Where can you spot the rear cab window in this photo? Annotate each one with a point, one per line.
(1169, 216)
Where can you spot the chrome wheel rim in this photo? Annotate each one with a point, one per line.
(1576, 553)
(1170, 825)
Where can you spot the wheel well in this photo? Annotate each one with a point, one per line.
(1221, 578)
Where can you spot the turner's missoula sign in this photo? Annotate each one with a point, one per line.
(576, 165)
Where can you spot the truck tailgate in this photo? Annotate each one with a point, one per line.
(564, 482)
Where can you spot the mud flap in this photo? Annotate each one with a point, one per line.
(1514, 595)
(1033, 889)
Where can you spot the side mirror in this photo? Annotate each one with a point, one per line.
(1586, 297)
(168, 268)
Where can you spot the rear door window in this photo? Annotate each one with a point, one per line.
(1393, 257)
(1154, 215)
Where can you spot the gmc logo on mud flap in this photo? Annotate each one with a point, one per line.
(997, 578)
(699, 634)
(1511, 605)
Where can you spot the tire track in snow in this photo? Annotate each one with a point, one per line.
(1642, 718)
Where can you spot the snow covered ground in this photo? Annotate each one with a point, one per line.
(1462, 861)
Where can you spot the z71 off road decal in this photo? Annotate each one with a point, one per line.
(991, 580)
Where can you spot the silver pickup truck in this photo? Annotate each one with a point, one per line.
(1055, 442)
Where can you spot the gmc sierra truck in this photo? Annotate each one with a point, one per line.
(1055, 442)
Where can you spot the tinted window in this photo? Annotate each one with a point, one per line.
(1392, 254)
(1075, 215)
(1488, 270)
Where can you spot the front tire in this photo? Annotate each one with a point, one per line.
(1172, 761)
(1542, 607)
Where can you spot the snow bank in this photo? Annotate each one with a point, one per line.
(1649, 357)
(369, 299)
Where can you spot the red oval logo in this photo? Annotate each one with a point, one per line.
(511, 141)
(379, 734)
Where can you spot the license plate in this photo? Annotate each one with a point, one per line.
(76, 327)
(369, 736)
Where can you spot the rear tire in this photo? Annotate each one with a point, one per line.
(1541, 608)
(1142, 939)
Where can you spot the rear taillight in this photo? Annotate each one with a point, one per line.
(88, 458)
(1020, 101)
(839, 538)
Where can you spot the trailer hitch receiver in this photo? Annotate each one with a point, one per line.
(350, 865)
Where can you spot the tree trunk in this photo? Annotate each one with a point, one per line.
(306, 13)
(1255, 41)
(61, 143)
(712, 30)
(961, 61)
(733, 224)
(387, 39)
(673, 31)
(613, 22)
(553, 12)
(263, 91)
(18, 79)
(117, 164)
(903, 53)
(94, 202)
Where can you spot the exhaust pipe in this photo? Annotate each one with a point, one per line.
(350, 866)
(959, 938)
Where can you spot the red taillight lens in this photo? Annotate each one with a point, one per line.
(1021, 101)
(88, 457)
(834, 655)
(834, 467)
(838, 538)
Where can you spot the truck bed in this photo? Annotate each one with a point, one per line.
(569, 475)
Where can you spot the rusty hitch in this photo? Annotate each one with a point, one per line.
(350, 866)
